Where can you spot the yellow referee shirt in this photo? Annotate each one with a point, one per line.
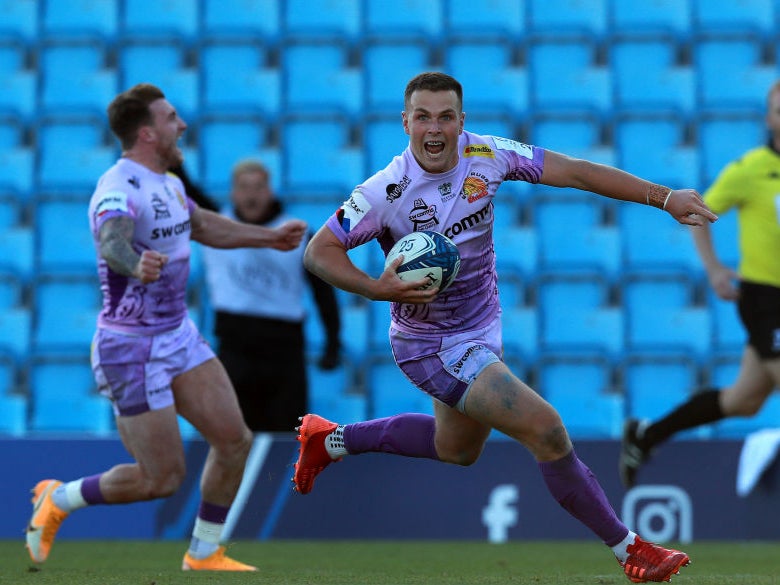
(751, 184)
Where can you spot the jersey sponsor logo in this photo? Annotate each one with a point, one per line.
(445, 190)
(468, 222)
(111, 201)
(475, 187)
(353, 210)
(479, 150)
(520, 148)
(160, 207)
(395, 190)
(171, 230)
(423, 216)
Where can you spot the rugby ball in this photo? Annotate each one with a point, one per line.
(426, 254)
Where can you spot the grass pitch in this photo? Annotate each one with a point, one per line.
(378, 563)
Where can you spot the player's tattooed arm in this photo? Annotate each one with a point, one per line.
(116, 236)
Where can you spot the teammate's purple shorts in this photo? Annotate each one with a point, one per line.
(445, 367)
(135, 371)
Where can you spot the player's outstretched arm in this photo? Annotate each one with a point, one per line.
(217, 231)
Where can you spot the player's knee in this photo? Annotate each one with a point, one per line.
(166, 484)
(463, 457)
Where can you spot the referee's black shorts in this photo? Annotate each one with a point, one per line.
(759, 310)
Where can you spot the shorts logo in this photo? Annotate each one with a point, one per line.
(479, 150)
(458, 366)
(423, 216)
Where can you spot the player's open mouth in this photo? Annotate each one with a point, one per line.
(434, 147)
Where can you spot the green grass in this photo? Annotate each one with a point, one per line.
(379, 563)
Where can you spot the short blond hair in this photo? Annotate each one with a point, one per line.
(249, 165)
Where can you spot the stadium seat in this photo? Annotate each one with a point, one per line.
(10, 211)
(520, 326)
(729, 333)
(517, 250)
(388, 65)
(319, 76)
(500, 70)
(566, 75)
(337, 20)
(402, 17)
(672, 245)
(465, 18)
(238, 76)
(655, 383)
(384, 138)
(64, 242)
(11, 290)
(74, 18)
(17, 169)
(76, 77)
(332, 163)
(656, 147)
(66, 313)
(15, 332)
(18, 80)
(379, 327)
(260, 19)
(169, 65)
(390, 392)
(648, 76)
(659, 17)
(13, 403)
(581, 388)
(169, 19)
(17, 245)
(725, 236)
(745, 131)
(561, 17)
(315, 211)
(732, 73)
(19, 18)
(64, 397)
(748, 17)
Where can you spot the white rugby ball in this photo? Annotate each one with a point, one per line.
(427, 254)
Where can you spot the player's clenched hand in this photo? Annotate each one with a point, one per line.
(686, 206)
(288, 236)
(149, 266)
(392, 288)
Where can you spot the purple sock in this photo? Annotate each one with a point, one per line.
(578, 492)
(90, 490)
(213, 512)
(405, 434)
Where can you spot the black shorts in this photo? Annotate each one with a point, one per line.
(759, 310)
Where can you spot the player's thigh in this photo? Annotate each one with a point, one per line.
(754, 382)
(205, 397)
(154, 441)
(459, 438)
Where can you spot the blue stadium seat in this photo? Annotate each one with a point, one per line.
(11, 290)
(10, 211)
(566, 75)
(76, 76)
(577, 134)
(647, 77)
(318, 76)
(390, 392)
(13, 404)
(655, 383)
(748, 17)
(226, 139)
(13, 55)
(402, 17)
(18, 80)
(238, 76)
(729, 333)
(15, 332)
(672, 245)
(725, 236)
(260, 19)
(661, 314)
(17, 251)
(17, 169)
(517, 250)
(19, 18)
(332, 163)
(500, 70)
(172, 18)
(66, 310)
(465, 18)
(315, 211)
(332, 395)
(166, 63)
(731, 73)
(581, 388)
(745, 131)
(659, 17)
(74, 18)
(388, 65)
(379, 326)
(384, 138)
(656, 147)
(74, 153)
(325, 19)
(64, 241)
(64, 397)
(520, 326)
(560, 17)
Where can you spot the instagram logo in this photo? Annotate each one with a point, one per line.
(660, 513)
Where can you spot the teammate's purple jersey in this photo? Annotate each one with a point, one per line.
(459, 203)
(161, 212)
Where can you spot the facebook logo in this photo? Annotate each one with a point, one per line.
(500, 514)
